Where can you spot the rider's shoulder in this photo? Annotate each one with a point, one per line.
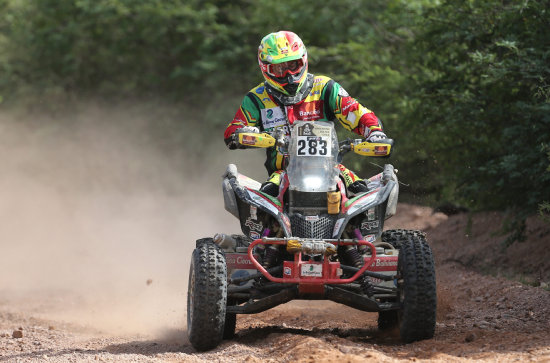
(321, 80)
(258, 90)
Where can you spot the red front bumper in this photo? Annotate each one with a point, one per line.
(311, 272)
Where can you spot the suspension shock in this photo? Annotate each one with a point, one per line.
(271, 254)
(355, 258)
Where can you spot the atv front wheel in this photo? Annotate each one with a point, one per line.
(206, 296)
(396, 237)
(416, 288)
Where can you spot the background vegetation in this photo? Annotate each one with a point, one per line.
(462, 85)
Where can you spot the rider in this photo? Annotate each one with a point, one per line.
(290, 93)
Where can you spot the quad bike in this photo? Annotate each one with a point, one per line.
(314, 240)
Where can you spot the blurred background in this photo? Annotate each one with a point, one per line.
(112, 115)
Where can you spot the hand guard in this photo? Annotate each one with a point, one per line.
(376, 136)
(233, 141)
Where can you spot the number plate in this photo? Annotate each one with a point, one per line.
(314, 140)
(311, 270)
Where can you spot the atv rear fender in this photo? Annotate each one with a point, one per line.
(240, 193)
(383, 198)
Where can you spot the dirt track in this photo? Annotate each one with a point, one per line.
(479, 318)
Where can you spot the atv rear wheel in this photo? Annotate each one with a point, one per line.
(206, 296)
(416, 287)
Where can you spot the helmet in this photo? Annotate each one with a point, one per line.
(283, 60)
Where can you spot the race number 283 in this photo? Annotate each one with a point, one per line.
(313, 146)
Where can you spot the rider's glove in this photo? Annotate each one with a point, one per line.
(247, 129)
(376, 136)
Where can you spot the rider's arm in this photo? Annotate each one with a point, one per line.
(351, 114)
(248, 114)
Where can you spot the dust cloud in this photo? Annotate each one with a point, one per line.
(99, 211)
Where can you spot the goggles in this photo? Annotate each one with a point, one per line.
(282, 69)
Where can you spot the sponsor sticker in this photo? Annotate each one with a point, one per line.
(238, 261)
(312, 218)
(310, 111)
(380, 150)
(260, 90)
(260, 200)
(371, 214)
(370, 225)
(362, 201)
(370, 238)
(273, 117)
(253, 226)
(254, 235)
(248, 140)
(384, 264)
(253, 212)
(337, 227)
(287, 271)
(311, 270)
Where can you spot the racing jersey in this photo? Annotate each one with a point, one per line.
(326, 101)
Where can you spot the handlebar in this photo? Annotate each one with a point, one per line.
(381, 148)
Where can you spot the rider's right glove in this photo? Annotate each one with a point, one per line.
(234, 142)
(247, 129)
(376, 136)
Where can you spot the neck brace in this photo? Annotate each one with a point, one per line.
(292, 100)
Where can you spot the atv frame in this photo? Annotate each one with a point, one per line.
(237, 274)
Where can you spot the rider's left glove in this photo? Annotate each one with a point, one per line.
(376, 136)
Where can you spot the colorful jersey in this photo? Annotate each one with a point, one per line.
(326, 101)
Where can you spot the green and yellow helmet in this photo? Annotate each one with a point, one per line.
(283, 60)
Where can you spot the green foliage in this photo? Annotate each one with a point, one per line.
(463, 86)
(544, 211)
(175, 47)
(544, 207)
(114, 46)
(481, 73)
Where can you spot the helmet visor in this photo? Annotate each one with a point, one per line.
(282, 69)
